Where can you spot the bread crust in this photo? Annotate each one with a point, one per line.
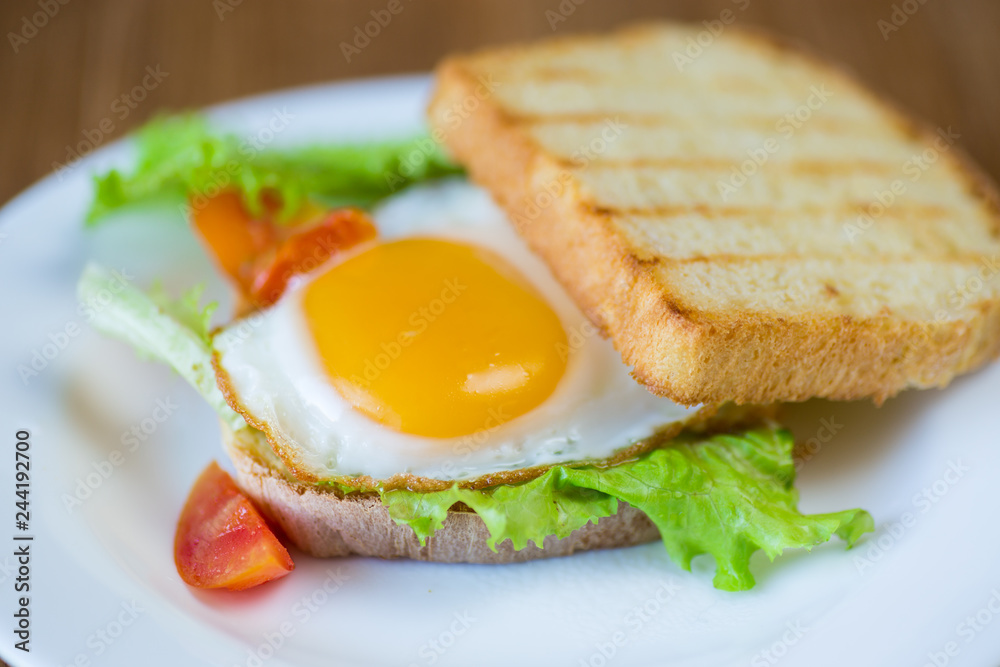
(679, 348)
(325, 523)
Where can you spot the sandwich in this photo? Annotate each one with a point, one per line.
(579, 341)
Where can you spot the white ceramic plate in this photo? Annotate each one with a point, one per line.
(105, 591)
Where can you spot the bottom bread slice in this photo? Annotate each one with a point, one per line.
(323, 523)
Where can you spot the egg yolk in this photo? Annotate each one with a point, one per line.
(435, 338)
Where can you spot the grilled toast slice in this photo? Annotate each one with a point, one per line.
(744, 221)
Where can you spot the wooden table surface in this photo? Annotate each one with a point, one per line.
(63, 76)
(63, 82)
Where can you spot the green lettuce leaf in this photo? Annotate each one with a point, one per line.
(727, 496)
(181, 157)
(174, 332)
(521, 513)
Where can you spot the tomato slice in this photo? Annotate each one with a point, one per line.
(260, 256)
(308, 249)
(222, 541)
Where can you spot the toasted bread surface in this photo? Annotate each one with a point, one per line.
(747, 223)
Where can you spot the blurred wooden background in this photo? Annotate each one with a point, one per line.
(62, 74)
(59, 81)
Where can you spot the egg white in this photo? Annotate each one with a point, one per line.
(277, 378)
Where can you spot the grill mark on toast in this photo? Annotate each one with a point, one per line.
(844, 125)
(899, 213)
(821, 167)
(963, 259)
(708, 211)
(677, 308)
(750, 87)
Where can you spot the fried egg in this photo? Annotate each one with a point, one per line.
(444, 350)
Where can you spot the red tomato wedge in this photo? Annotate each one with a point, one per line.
(261, 256)
(308, 249)
(222, 541)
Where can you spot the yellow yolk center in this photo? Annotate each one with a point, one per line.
(435, 338)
